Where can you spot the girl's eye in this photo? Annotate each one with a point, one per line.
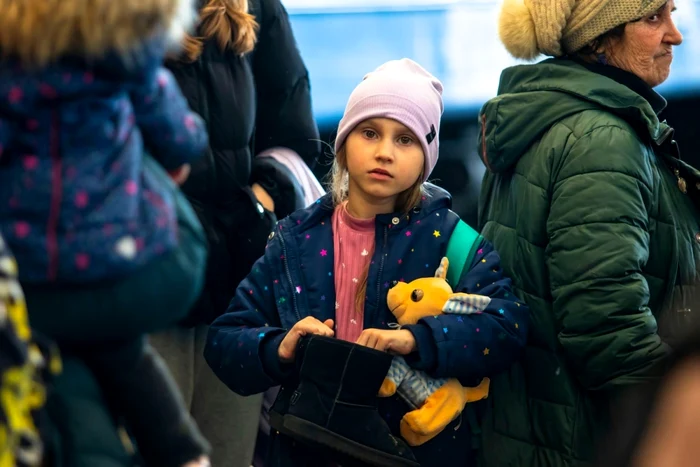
(369, 134)
(405, 140)
(654, 18)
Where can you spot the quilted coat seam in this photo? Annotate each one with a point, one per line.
(590, 132)
(542, 247)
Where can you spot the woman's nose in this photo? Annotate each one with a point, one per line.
(674, 37)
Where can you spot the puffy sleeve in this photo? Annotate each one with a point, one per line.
(284, 113)
(483, 342)
(595, 256)
(242, 343)
(172, 133)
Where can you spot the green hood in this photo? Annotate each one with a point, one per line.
(532, 98)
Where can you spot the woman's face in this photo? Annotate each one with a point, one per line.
(646, 47)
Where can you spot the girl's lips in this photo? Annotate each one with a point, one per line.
(380, 172)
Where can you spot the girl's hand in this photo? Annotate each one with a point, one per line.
(396, 341)
(201, 462)
(307, 326)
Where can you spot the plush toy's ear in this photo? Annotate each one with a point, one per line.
(465, 304)
(441, 272)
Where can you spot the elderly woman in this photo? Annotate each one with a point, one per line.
(594, 214)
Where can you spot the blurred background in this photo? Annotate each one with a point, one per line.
(457, 40)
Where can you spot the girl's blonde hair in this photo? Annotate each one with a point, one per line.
(405, 202)
(40, 32)
(228, 23)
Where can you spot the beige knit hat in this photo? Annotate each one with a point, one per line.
(528, 28)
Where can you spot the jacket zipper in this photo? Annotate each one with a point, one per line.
(56, 194)
(680, 181)
(289, 278)
(381, 266)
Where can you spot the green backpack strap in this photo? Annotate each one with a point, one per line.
(461, 250)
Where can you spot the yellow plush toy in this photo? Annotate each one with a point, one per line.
(437, 401)
(24, 368)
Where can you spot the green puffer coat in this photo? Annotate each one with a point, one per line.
(582, 202)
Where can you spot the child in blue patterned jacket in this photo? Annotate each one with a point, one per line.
(328, 268)
(108, 249)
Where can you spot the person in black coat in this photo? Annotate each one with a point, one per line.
(244, 75)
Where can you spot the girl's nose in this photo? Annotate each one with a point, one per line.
(385, 152)
(383, 156)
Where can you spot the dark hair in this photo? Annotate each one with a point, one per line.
(594, 46)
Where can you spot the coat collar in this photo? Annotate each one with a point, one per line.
(434, 198)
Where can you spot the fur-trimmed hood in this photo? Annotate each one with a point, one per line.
(40, 32)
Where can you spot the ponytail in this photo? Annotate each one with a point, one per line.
(228, 23)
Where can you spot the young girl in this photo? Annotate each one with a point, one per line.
(327, 269)
(107, 248)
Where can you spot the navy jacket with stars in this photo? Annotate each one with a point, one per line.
(294, 279)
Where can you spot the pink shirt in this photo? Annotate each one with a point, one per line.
(353, 244)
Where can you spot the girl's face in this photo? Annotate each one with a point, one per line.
(646, 48)
(384, 158)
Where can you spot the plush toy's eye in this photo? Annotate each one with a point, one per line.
(417, 295)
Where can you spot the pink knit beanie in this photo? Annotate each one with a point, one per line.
(403, 91)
